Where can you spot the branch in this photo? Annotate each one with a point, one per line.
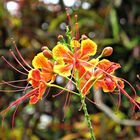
(111, 114)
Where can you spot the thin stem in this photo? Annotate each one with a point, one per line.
(53, 85)
(87, 117)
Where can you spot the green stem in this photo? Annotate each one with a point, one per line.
(87, 118)
(53, 85)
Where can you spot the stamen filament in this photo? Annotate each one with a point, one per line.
(12, 53)
(4, 82)
(13, 66)
(15, 46)
(15, 81)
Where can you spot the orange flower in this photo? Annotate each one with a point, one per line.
(78, 55)
(38, 78)
(108, 82)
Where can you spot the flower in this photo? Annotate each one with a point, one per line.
(38, 78)
(105, 70)
(70, 59)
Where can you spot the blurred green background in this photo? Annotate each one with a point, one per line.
(37, 23)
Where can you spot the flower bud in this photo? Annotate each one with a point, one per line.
(47, 54)
(60, 37)
(107, 51)
(44, 48)
(84, 37)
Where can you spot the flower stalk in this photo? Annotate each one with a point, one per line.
(87, 117)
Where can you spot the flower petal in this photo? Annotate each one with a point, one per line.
(33, 99)
(107, 85)
(40, 61)
(46, 77)
(88, 48)
(110, 84)
(108, 66)
(34, 77)
(88, 65)
(63, 70)
(42, 88)
(61, 52)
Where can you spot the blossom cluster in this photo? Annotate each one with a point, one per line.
(72, 58)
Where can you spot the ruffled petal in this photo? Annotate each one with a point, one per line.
(88, 65)
(33, 99)
(100, 84)
(108, 66)
(61, 52)
(110, 84)
(88, 48)
(34, 77)
(40, 61)
(46, 77)
(42, 89)
(63, 70)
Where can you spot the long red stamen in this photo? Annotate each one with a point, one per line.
(119, 101)
(91, 101)
(131, 87)
(30, 93)
(13, 66)
(126, 94)
(15, 46)
(13, 117)
(12, 53)
(12, 91)
(4, 82)
(47, 93)
(58, 94)
(69, 19)
(15, 81)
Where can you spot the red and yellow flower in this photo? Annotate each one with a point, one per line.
(78, 55)
(105, 70)
(40, 75)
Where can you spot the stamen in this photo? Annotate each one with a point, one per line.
(12, 53)
(119, 101)
(127, 95)
(12, 66)
(77, 28)
(91, 101)
(30, 93)
(13, 91)
(67, 98)
(4, 82)
(135, 93)
(47, 93)
(13, 117)
(15, 46)
(58, 94)
(69, 19)
(15, 81)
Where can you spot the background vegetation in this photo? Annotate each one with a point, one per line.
(37, 23)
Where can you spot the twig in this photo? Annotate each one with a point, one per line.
(111, 114)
